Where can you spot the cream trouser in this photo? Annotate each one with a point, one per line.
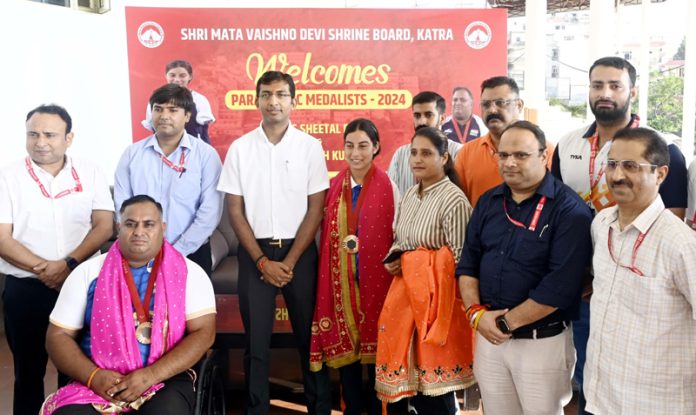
(525, 376)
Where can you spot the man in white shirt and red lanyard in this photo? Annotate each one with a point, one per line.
(580, 157)
(55, 212)
(275, 178)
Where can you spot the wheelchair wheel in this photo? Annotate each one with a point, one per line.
(210, 389)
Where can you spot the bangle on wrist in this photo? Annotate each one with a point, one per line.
(261, 263)
(256, 262)
(91, 377)
(477, 318)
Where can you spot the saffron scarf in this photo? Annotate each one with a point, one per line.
(113, 343)
(344, 328)
(424, 340)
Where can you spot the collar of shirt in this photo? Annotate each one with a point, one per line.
(434, 185)
(65, 169)
(546, 188)
(487, 141)
(593, 127)
(185, 142)
(286, 136)
(644, 220)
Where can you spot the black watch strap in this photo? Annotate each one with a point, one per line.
(503, 325)
(72, 262)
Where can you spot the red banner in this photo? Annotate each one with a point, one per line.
(346, 63)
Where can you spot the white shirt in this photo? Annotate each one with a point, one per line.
(274, 180)
(69, 311)
(50, 228)
(641, 354)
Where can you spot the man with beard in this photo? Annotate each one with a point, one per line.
(464, 125)
(581, 158)
(477, 164)
(428, 111)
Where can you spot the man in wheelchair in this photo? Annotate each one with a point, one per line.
(122, 358)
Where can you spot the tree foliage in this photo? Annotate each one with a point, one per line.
(681, 52)
(665, 103)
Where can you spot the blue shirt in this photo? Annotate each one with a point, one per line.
(191, 203)
(140, 276)
(513, 264)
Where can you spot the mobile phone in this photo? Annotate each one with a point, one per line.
(393, 256)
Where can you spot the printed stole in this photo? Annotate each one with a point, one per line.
(344, 328)
(113, 343)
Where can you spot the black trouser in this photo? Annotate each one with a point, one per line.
(435, 405)
(175, 398)
(27, 305)
(257, 307)
(356, 395)
(203, 258)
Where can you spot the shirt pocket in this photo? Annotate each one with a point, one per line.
(297, 176)
(642, 293)
(187, 186)
(531, 250)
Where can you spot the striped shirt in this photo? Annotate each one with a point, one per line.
(436, 219)
(400, 169)
(641, 357)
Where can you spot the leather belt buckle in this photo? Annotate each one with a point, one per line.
(276, 242)
(550, 330)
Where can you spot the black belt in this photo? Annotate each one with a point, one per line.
(275, 243)
(549, 330)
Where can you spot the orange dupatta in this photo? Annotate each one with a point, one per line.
(424, 340)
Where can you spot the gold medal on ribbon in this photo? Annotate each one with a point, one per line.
(350, 244)
(143, 333)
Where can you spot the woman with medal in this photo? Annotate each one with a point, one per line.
(424, 346)
(352, 284)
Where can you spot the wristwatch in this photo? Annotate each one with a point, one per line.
(72, 263)
(503, 325)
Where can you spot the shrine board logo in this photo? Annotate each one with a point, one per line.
(478, 35)
(150, 34)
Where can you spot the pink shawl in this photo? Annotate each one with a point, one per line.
(114, 346)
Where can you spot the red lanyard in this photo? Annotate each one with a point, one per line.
(76, 178)
(535, 219)
(143, 316)
(179, 168)
(348, 198)
(461, 135)
(636, 245)
(594, 149)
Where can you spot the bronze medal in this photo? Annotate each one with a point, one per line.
(350, 244)
(143, 318)
(143, 333)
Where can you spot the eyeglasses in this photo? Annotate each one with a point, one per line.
(280, 95)
(499, 103)
(517, 155)
(628, 166)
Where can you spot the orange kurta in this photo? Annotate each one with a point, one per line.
(424, 339)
